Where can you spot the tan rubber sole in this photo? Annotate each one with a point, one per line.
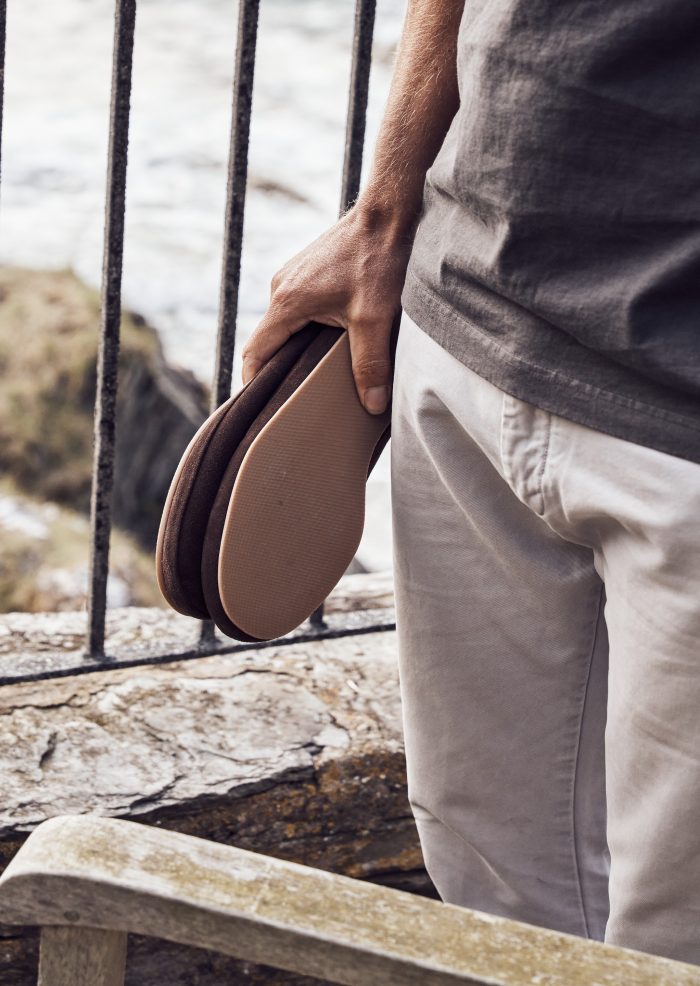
(297, 508)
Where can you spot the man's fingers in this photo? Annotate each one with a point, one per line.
(272, 332)
(370, 348)
(371, 364)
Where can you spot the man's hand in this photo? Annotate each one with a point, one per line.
(352, 276)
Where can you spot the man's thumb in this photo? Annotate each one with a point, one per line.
(371, 367)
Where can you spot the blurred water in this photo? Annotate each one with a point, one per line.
(55, 145)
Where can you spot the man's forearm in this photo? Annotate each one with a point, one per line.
(422, 102)
(353, 274)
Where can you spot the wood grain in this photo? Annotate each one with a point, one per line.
(82, 957)
(123, 876)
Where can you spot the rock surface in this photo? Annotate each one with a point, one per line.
(293, 750)
(52, 644)
(47, 398)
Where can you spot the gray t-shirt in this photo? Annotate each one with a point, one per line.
(558, 253)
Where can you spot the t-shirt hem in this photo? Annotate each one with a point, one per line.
(585, 403)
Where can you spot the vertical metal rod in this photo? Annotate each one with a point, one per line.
(108, 352)
(357, 101)
(355, 130)
(237, 179)
(235, 198)
(3, 20)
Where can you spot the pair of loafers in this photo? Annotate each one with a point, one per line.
(266, 509)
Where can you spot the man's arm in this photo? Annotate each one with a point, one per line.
(352, 275)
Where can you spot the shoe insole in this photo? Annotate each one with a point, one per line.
(202, 467)
(295, 514)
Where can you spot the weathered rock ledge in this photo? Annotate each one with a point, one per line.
(293, 750)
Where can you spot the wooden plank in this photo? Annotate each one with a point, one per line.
(121, 875)
(73, 956)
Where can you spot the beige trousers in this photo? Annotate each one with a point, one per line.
(548, 615)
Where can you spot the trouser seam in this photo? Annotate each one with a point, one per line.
(577, 861)
(505, 460)
(543, 464)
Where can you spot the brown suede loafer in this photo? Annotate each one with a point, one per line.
(266, 508)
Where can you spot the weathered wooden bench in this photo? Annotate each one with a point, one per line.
(89, 881)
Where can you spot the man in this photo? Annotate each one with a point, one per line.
(545, 448)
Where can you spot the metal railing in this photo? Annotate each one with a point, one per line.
(111, 311)
(3, 20)
(115, 204)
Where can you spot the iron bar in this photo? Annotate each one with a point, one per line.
(3, 22)
(357, 102)
(110, 318)
(63, 665)
(355, 130)
(235, 198)
(236, 183)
